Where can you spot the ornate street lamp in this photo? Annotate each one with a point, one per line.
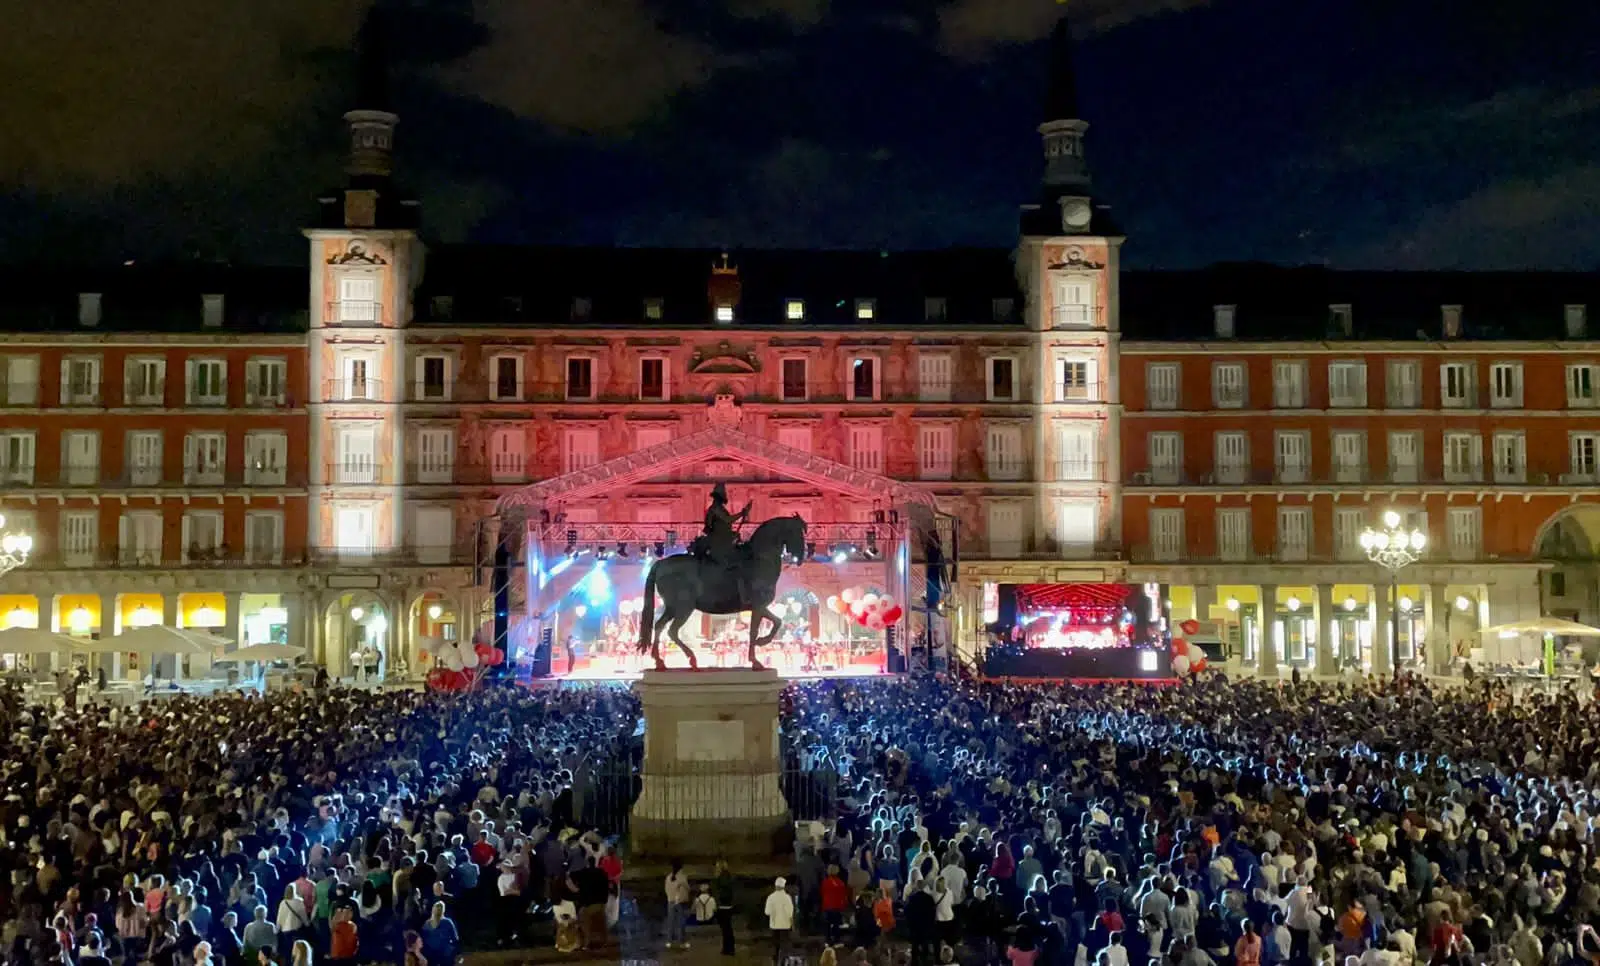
(14, 548)
(1393, 548)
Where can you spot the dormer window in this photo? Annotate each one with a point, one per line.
(935, 309)
(1001, 309)
(866, 309)
(794, 310)
(724, 313)
(1341, 320)
(1450, 317)
(654, 309)
(1222, 320)
(582, 309)
(1577, 319)
(88, 309)
(442, 307)
(211, 311)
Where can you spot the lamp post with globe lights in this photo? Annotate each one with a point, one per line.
(1394, 548)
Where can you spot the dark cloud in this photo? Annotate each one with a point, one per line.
(798, 13)
(975, 29)
(587, 66)
(102, 92)
(1551, 222)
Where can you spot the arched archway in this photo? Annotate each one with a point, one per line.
(432, 615)
(358, 635)
(1569, 541)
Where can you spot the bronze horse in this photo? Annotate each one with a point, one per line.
(688, 583)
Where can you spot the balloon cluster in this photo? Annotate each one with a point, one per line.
(459, 664)
(1187, 658)
(872, 611)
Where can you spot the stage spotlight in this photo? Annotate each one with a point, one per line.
(811, 550)
(872, 542)
(661, 549)
(622, 549)
(572, 542)
(672, 540)
(840, 555)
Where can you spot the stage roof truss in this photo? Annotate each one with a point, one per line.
(718, 442)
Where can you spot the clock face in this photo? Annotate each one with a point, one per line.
(1075, 213)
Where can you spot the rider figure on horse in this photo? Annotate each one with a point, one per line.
(720, 541)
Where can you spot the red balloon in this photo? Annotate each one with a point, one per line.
(893, 614)
(1190, 627)
(1179, 647)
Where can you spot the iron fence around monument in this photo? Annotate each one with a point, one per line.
(605, 791)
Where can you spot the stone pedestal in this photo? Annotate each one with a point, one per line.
(710, 786)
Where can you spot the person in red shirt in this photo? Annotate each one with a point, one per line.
(344, 944)
(483, 851)
(835, 901)
(611, 865)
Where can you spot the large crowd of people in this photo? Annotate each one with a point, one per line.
(1220, 822)
(1216, 822)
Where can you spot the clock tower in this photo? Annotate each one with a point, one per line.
(1067, 262)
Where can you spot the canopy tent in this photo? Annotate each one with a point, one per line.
(33, 640)
(156, 639)
(263, 652)
(1541, 626)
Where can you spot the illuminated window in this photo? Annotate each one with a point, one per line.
(724, 313)
(794, 310)
(866, 309)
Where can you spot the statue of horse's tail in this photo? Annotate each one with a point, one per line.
(647, 615)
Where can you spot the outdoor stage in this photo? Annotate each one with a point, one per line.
(790, 662)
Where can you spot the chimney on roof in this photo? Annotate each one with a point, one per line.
(1577, 321)
(1450, 317)
(1222, 320)
(723, 290)
(211, 310)
(88, 309)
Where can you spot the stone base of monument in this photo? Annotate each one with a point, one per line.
(710, 783)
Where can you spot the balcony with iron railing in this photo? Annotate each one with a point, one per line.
(354, 312)
(1288, 554)
(1475, 473)
(97, 476)
(764, 391)
(360, 472)
(349, 390)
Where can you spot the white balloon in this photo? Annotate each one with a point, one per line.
(1180, 664)
(875, 622)
(871, 600)
(886, 602)
(469, 658)
(451, 659)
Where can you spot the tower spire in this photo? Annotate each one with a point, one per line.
(372, 124)
(1065, 185)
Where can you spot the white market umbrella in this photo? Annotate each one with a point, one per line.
(264, 652)
(33, 640)
(1541, 626)
(156, 639)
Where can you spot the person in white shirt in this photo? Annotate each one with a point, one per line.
(677, 893)
(955, 878)
(1116, 954)
(780, 919)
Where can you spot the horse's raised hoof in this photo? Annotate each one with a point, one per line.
(660, 664)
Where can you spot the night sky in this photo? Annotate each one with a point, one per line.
(1358, 133)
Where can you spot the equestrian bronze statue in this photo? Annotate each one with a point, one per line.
(720, 575)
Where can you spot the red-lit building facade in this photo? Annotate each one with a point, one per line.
(1309, 403)
(326, 456)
